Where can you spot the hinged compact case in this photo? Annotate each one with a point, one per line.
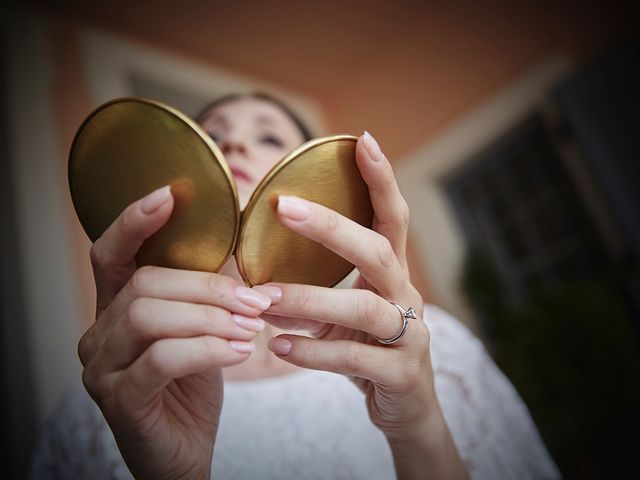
(129, 147)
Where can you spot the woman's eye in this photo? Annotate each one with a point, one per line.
(272, 140)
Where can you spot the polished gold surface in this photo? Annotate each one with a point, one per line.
(129, 147)
(323, 171)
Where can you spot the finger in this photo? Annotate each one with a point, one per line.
(339, 356)
(391, 213)
(113, 254)
(177, 285)
(148, 320)
(369, 251)
(193, 287)
(356, 309)
(313, 327)
(88, 345)
(174, 358)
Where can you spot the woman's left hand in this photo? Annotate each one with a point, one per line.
(344, 323)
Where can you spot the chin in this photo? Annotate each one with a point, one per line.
(245, 190)
(243, 196)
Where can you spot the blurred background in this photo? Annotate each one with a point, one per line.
(513, 128)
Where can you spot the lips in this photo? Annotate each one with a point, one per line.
(239, 174)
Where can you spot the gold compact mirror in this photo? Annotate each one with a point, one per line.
(129, 147)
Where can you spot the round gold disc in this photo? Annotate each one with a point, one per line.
(129, 147)
(322, 171)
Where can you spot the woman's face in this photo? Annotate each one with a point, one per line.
(253, 135)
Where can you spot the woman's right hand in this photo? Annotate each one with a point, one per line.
(152, 359)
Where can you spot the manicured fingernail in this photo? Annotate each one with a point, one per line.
(372, 147)
(155, 199)
(254, 324)
(243, 347)
(274, 292)
(253, 298)
(281, 346)
(293, 207)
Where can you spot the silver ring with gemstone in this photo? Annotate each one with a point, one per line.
(406, 315)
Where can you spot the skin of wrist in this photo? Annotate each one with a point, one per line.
(196, 474)
(428, 423)
(414, 412)
(426, 448)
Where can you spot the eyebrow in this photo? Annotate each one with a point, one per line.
(265, 119)
(220, 119)
(259, 120)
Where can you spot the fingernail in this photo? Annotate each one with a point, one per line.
(274, 292)
(293, 207)
(253, 298)
(242, 347)
(155, 199)
(281, 346)
(372, 147)
(254, 324)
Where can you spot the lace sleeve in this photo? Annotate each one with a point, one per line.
(488, 420)
(76, 443)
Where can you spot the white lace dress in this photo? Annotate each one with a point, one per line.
(314, 425)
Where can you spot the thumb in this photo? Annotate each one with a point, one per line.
(113, 254)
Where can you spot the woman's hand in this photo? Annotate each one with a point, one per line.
(152, 358)
(344, 323)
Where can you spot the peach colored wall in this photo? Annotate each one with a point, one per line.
(401, 70)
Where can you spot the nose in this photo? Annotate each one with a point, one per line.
(232, 145)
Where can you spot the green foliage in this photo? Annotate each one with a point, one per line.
(572, 352)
